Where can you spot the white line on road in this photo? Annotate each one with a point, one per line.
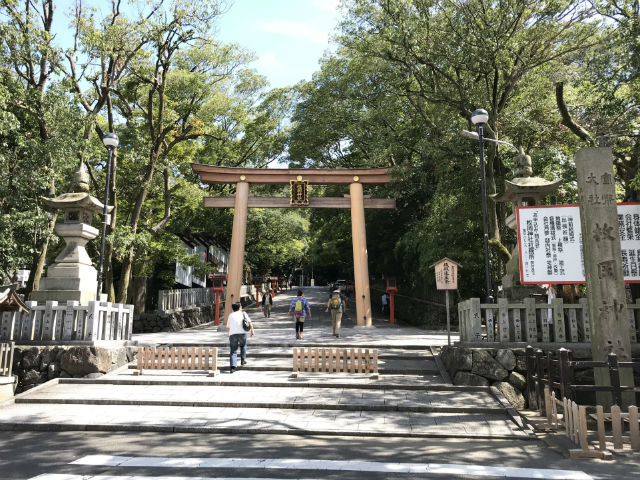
(64, 476)
(304, 464)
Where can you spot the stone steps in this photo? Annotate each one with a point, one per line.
(258, 420)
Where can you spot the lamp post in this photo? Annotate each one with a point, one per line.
(110, 141)
(479, 117)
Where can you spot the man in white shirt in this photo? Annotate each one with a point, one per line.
(237, 336)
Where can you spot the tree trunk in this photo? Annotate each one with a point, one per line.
(135, 217)
(37, 266)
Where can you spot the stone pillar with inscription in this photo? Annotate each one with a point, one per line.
(603, 264)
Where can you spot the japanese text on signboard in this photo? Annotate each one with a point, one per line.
(550, 243)
(446, 275)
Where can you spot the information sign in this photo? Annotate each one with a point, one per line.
(550, 243)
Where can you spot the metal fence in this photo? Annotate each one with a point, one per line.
(531, 322)
(68, 322)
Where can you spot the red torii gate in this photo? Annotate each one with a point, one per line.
(298, 178)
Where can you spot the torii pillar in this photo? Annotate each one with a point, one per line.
(238, 238)
(360, 256)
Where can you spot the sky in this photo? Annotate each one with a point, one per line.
(288, 37)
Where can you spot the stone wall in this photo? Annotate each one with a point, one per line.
(502, 368)
(175, 320)
(35, 365)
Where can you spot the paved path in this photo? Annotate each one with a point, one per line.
(410, 398)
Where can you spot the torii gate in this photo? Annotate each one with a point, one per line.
(298, 179)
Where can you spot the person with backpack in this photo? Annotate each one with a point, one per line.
(336, 304)
(301, 310)
(267, 302)
(238, 324)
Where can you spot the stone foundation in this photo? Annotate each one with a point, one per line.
(35, 365)
(175, 320)
(502, 368)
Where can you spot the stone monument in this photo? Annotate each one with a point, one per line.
(603, 266)
(72, 275)
(523, 190)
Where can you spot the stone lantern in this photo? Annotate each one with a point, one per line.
(523, 190)
(72, 275)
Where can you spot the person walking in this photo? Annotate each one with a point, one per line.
(385, 303)
(237, 336)
(301, 310)
(267, 302)
(337, 304)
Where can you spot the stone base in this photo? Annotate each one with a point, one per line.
(6, 388)
(62, 296)
(38, 364)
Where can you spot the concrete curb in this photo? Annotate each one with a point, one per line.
(267, 405)
(58, 427)
(300, 382)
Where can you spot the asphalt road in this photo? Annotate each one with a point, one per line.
(25, 455)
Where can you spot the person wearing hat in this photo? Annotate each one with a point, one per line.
(336, 304)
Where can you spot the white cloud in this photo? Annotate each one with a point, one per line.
(326, 5)
(295, 29)
(269, 60)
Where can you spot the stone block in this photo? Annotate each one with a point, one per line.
(31, 377)
(486, 366)
(53, 371)
(517, 380)
(456, 359)
(84, 360)
(513, 396)
(470, 379)
(506, 358)
(31, 358)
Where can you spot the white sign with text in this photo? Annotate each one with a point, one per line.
(550, 243)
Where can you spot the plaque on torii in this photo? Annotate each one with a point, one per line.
(242, 201)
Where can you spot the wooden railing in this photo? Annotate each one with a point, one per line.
(71, 322)
(566, 415)
(183, 298)
(349, 360)
(556, 371)
(505, 322)
(6, 359)
(178, 358)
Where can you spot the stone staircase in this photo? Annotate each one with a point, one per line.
(411, 398)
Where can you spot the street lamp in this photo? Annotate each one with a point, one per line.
(479, 117)
(110, 141)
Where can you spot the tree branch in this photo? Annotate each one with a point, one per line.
(567, 121)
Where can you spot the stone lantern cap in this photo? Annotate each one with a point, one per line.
(525, 186)
(78, 200)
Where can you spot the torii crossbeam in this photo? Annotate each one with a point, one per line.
(242, 201)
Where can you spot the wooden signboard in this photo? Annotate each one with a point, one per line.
(446, 274)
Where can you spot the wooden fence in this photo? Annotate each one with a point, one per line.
(178, 358)
(349, 360)
(68, 322)
(6, 359)
(556, 371)
(180, 298)
(528, 321)
(552, 390)
(183, 298)
(617, 430)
